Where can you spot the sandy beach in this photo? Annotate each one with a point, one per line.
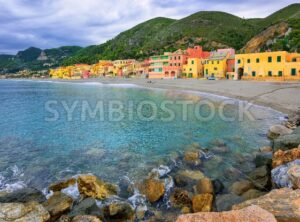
(281, 96)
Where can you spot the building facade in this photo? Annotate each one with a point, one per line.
(279, 66)
(157, 64)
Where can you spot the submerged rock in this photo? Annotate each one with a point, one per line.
(91, 186)
(249, 214)
(204, 186)
(265, 149)
(218, 186)
(262, 159)
(31, 211)
(180, 198)
(278, 130)
(153, 189)
(85, 218)
(252, 194)
(191, 174)
(226, 201)
(202, 203)
(283, 203)
(58, 204)
(87, 206)
(23, 196)
(287, 142)
(261, 178)
(241, 187)
(62, 185)
(282, 157)
(119, 211)
(192, 157)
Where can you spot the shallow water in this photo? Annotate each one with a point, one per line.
(36, 152)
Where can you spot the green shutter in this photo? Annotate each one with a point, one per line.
(278, 58)
(270, 73)
(279, 73)
(293, 72)
(253, 73)
(270, 59)
(257, 60)
(249, 60)
(239, 61)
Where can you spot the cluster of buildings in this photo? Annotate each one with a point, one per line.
(194, 63)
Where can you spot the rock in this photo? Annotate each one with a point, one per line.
(294, 175)
(58, 204)
(278, 130)
(185, 210)
(180, 181)
(23, 212)
(286, 142)
(218, 186)
(192, 157)
(282, 157)
(120, 211)
(62, 185)
(91, 186)
(226, 201)
(252, 194)
(140, 212)
(232, 173)
(266, 149)
(22, 196)
(153, 189)
(283, 203)
(281, 177)
(85, 218)
(262, 159)
(261, 178)
(180, 198)
(204, 186)
(202, 203)
(241, 187)
(87, 206)
(64, 218)
(249, 214)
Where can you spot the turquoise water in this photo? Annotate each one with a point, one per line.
(36, 152)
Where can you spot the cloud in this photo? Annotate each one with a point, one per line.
(54, 23)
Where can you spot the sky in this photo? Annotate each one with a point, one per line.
(54, 23)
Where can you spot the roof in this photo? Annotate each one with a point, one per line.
(218, 55)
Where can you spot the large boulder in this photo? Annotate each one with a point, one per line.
(261, 178)
(204, 186)
(187, 177)
(283, 203)
(278, 130)
(58, 204)
(153, 189)
(287, 175)
(91, 186)
(87, 206)
(224, 202)
(23, 196)
(118, 211)
(264, 158)
(23, 212)
(202, 203)
(282, 157)
(62, 185)
(241, 187)
(252, 194)
(249, 214)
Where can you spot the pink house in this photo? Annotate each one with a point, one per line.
(197, 52)
(86, 74)
(176, 61)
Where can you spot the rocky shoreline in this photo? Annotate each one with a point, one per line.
(179, 192)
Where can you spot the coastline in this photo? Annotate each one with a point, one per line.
(280, 96)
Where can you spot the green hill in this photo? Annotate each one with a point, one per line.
(207, 28)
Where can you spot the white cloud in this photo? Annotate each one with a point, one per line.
(53, 23)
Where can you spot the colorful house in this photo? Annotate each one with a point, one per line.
(216, 64)
(157, 64)
(120, 64)
(279, 65)
(176, 61)
(102, 68)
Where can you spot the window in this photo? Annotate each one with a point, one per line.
(178, 57)
(269, 59)
(253, 73)
(175, 58)
(257, 60)
(278, 58)
(193, 62)
(206, 71)
(190, 69)
(215, 68)
(293, 72)
(279, 73)
(239, 61)
(218, 62)
(294, 60)
(248, 60)
(270, 73)
(212, 62)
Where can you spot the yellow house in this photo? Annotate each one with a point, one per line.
(193, 68)
(279, 65)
